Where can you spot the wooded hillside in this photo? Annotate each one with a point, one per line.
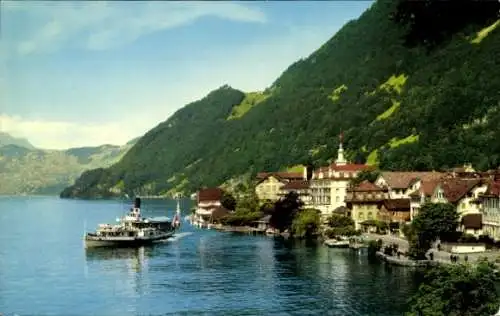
(413, 85)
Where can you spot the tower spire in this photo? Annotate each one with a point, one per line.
(340, 153)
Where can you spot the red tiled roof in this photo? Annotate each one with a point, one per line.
(402, 205)
(427, 188)
(296, 185)
(366, 186)
(454, 189)
(493, 188)
(473, 221)
(210, 194)
(403, 179)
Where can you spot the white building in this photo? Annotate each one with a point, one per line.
(209, 207)
(490, 208)
(328, 186)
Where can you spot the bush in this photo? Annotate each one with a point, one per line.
(374, 246)
(487, 240)
(239, 218)
(341, 231)
(306, 224)
(468, 238)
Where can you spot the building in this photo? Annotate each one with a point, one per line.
(421, 196)
(395, 211)
(299, 187)
(364, 201)
(490, 209)
(472, 224)
(400, 184)
(209, 208)
(328, 186)
(463, 194)
(269, 184)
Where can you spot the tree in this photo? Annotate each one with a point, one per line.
(340, 225)
(267, 207)
(228, 201)
(307, 223)
(457, 290)
(369, 175)
(285, 210)
(431, 21)
(434, 220)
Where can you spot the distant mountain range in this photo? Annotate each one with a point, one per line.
(26, 170)
(7, 139)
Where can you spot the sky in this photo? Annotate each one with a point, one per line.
(88, 73)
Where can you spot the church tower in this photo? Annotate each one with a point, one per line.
(340, 154)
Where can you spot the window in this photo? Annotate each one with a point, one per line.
(360, 216)
(337, 198)
(369, 215)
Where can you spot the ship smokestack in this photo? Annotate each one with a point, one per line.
(137, 203)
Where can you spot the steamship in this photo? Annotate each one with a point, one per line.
(134, 230)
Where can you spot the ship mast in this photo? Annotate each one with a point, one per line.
(178, 209)
(177, 218)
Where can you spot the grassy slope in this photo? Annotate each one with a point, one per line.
(400, 107)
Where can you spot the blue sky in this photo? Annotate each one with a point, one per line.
(87, 73)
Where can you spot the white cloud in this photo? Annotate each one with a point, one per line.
(100, 25)
(63, 135)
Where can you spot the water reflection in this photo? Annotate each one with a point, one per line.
(129, 266)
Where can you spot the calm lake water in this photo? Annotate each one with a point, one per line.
(45, 270)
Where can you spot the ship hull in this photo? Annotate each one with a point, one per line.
(96, 241)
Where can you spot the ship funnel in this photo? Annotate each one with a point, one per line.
(137, 203)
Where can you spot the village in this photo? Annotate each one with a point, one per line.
(392, 201)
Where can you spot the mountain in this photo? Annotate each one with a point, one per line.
(7, 139)
(413, 85)
(36, 171)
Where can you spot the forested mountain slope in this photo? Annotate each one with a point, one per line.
(413, 85)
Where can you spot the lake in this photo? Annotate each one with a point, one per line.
(45, 270)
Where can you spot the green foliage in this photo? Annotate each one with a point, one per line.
(439, 91)
(267, 207)
(374, 246)
(339, 225)
(241, 217)
(228, 201)
(431, 22)
(457, 290)
(365, 175)
(247, 208)
(434, 220)
(307, 223)
(285, 210)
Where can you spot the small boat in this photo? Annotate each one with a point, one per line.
(134, 230)
(334, 243)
